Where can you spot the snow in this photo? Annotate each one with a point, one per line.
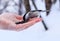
(37, 31)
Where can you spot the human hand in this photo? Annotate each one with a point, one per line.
(8, 20)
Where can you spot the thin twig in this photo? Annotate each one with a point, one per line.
(46, 28)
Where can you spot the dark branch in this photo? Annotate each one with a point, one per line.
(48, 4)
(46, 28)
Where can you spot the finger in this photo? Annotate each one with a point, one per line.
(28, 24)
(19, 17)
(16, 20)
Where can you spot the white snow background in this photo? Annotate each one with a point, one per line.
(37, 31)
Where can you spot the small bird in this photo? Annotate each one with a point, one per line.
(31, 14)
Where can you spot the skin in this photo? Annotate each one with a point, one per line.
(8, 20)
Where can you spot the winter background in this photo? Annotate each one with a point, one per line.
(37, 31)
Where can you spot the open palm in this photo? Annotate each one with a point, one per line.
(8, 20)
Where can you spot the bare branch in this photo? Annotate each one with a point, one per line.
(20, 6)
(45, 26)
(48, 4)
(27, 5)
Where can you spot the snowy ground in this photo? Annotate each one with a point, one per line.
(37, 31)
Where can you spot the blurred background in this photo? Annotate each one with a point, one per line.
(37, 31)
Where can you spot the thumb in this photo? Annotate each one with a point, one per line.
(19, 17)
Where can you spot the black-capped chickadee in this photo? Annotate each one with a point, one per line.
(31, 14)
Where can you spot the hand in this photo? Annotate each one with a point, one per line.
(8, 20)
